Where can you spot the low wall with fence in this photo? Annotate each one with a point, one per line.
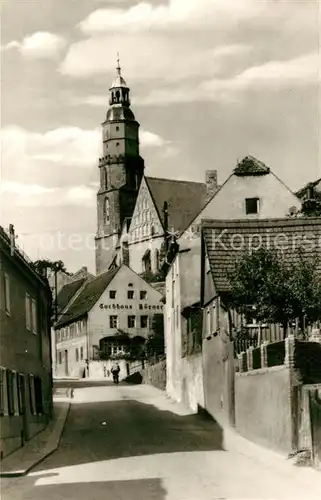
(272, 405)
(266, 397)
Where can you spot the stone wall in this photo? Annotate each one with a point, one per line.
(263, 407)
(155, 375)
(218, 367)
(192, 381)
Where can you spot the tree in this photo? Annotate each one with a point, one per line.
(155, 344)
(42, 266)
(268, 288)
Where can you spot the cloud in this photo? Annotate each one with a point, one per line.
(23, 189)
(189, 13)
(33, 195)
(270, 76)
(149, 139)
(39, 45)
(56, 167)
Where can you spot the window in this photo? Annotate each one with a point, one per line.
(130, 294)
(112, 294)
(1, 391)
(142, 295)
(28, 315)
(117, 143)
(10, 392)
(131, 321)
(20, 390)
(209, 322)
(7, 293)
(117, 128)
(38, 395)
(81, 353)
(144, 321)
(31, 394)
(34, 316)
(252, 206)
(113, 321)
(107, 211)
(77, 354)
(59, 357)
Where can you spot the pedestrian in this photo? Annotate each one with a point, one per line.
(115, 369)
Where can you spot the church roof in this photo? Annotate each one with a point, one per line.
(251, 166)
(185, 200)
(87, 297)
(227, 241)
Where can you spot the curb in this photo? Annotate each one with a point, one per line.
(50, 447)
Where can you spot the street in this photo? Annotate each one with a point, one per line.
(133, 443)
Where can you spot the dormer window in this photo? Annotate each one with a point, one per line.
(252, 206)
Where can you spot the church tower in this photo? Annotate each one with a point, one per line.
(121, 170)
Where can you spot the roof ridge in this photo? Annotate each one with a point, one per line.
(173, 180)
(73, 298)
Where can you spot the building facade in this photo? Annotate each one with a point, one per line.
(107, 316)
(251, 192)
(25, 363)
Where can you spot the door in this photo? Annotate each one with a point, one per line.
(315, 416)
(22, 402)
(66, 363)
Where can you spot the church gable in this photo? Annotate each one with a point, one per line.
(145, 220)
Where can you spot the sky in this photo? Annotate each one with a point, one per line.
(211, 82)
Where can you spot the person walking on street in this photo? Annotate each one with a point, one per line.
(115, 369)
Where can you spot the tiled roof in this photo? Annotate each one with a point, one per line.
(67, 292)
(251, 166)
(227, 241)
(87, 298)
(185, 200)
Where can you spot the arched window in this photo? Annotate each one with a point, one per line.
(117, 95)
(107, 211)
(105, 178)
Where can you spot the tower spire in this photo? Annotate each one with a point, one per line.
(118, 65)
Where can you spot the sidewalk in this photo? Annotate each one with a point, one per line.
(21, 461)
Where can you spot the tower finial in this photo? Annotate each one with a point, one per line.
(118, 65)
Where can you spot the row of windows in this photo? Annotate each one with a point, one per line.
(69, 332)
(142, 205)
(131, 321)
(13, 397)
(30, 306)
(141, 217)
(144, 230)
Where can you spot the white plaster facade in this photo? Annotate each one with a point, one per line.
(75, 342)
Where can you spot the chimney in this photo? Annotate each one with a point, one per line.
(211, 184)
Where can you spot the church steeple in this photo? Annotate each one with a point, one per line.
(121, 170)
(119, 91)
